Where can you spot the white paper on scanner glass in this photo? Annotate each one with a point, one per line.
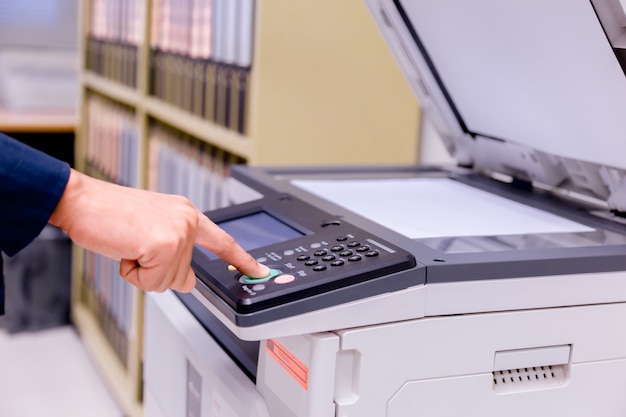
(437, 207)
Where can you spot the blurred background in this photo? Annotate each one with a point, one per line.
(38, 55)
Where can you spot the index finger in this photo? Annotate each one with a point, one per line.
(211, 237)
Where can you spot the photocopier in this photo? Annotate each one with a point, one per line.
(493, 287)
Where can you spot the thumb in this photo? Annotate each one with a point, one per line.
(129, 270)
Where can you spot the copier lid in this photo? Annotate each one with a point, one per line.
(533, 89)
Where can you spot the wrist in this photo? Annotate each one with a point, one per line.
(68, 203)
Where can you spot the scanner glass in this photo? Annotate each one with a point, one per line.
(454, 217)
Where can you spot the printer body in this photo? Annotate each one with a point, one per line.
(495, 286)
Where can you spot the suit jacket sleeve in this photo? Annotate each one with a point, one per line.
(31, 185)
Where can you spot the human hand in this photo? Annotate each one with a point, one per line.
(153, 234)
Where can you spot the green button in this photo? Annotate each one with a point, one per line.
(249, 280)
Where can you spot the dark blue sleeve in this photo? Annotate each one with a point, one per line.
(31, 185)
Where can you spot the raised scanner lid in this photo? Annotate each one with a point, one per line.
(533, 89)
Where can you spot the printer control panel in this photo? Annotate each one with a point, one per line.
(308, 251)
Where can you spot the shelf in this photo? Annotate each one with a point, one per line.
(111, 89)
(211, 133)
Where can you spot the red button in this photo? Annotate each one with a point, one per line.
(284, 279)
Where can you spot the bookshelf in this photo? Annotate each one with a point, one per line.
(305, 83)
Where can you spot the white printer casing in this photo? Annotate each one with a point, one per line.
(529, 96)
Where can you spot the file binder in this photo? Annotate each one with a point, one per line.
(201, 57)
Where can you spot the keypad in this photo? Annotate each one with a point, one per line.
(324, 257)
(336, 256)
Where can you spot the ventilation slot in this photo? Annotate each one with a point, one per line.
(524, 379)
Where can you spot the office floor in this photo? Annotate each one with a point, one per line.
(49, 374)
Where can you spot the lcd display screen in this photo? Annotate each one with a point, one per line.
(256, 230)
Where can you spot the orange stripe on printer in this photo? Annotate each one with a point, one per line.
(289, 362)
